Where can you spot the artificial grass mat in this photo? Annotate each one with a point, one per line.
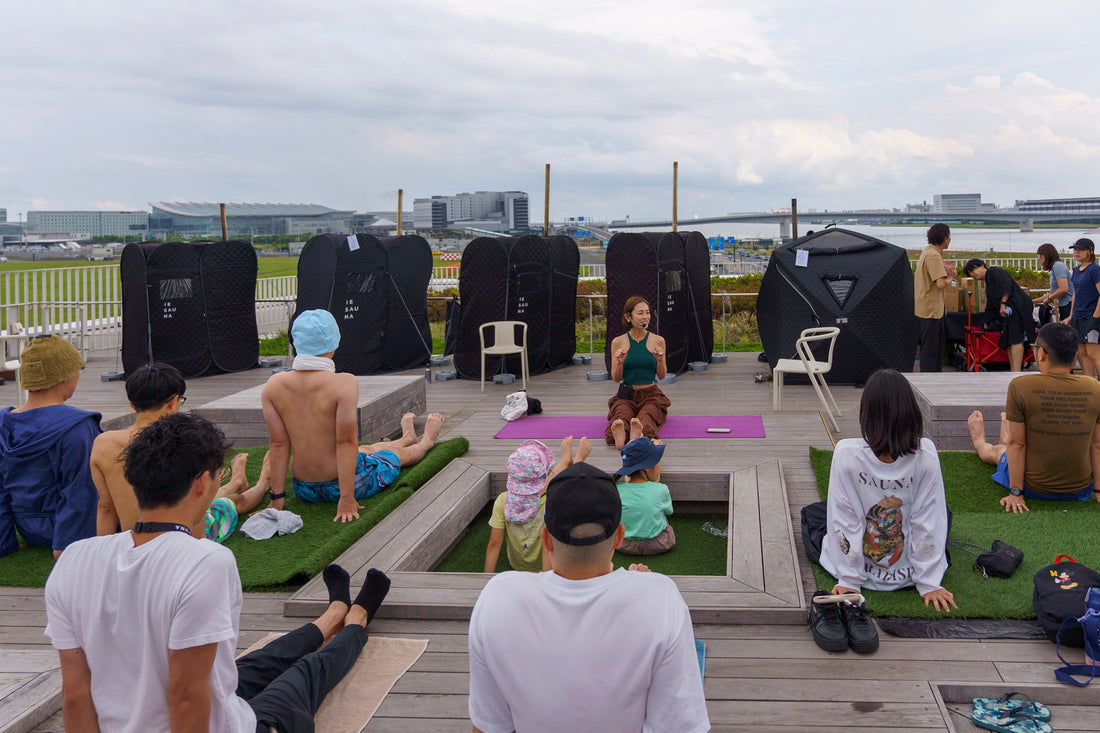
(1051, 528)
(289, 560)
(696, 552)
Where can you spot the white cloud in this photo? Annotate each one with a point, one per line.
(338, 103)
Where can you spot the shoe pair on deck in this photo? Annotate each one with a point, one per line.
(841, 622)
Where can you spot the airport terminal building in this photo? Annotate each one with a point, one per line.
(190, 219)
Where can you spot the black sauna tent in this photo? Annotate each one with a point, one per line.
(377, 289)
(860, 284)
(531, 279)
(191, 305)
(671, 270)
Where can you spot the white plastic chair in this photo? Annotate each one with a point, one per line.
(815, 370)
(18, 334)
(504, 342)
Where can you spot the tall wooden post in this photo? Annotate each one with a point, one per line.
(546, 205)
(675, 183)
(225, 225)
(400, 193)
(794, 218)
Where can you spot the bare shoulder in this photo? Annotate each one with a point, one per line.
(658, 341)
(619, 341)
(111, 441)
(345, 381)
(273, 384)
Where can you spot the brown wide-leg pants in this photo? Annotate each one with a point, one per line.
(648, 404)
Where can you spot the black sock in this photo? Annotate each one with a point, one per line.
(338, 583)
(373, 592)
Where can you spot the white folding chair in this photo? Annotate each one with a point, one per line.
(815, 370)
(18, 334)
(504, 342)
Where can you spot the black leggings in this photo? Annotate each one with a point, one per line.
(286, 681)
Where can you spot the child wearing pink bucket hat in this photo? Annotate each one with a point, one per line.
(518, 512)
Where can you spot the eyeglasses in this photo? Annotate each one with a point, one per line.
(182, 400)
(223, 475)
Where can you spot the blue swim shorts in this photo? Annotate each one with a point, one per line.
(1001, 477)
(373, 472)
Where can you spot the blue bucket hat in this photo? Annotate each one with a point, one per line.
(638, 454)
(315, 332)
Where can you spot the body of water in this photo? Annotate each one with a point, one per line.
(913, 238)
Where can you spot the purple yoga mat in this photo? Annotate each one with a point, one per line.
(593, 426)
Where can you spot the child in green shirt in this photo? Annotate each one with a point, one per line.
(646, 503)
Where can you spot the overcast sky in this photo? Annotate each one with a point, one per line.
(845, 104)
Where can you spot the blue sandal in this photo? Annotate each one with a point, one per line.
(1017, 720)
(1013, 701)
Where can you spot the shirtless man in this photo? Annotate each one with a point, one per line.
(312, 411)
(156, 390)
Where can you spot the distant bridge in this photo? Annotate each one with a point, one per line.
(579, 227)
(1025, 219)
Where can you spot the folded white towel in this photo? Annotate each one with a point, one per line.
(271, 522)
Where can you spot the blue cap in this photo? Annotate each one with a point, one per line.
(315, 332)
(638, 454)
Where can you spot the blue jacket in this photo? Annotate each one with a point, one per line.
(46, 488)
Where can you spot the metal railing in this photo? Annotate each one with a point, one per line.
(84, 303)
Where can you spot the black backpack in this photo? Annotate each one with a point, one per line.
(1060, 591)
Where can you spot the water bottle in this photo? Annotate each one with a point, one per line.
(715, 530)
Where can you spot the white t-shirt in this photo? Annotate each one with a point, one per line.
(887, 522)
(126, 606)
(611, 653)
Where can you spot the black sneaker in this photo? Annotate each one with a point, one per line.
(826, 623)
(862, 634)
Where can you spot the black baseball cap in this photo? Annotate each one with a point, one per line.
(1083, 243)
(582, 494)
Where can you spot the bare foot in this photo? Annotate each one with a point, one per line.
(408, 432)
(584, 447)
(976, 425)
(237, 482)
(635, 428)
(433, 426)
(567, 450)
(618, 432)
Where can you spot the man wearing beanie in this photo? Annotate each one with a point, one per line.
(583, 647)
(46, 488)
(312, 412)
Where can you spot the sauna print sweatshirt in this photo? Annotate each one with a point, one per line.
(887, 522)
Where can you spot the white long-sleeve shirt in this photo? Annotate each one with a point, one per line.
(887, 522)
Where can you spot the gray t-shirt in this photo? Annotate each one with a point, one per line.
(1058, 270)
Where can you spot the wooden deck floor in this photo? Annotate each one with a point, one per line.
(760, 676)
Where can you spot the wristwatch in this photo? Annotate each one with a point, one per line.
(1016, 491)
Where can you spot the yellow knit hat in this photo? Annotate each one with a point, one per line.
(48, 361)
